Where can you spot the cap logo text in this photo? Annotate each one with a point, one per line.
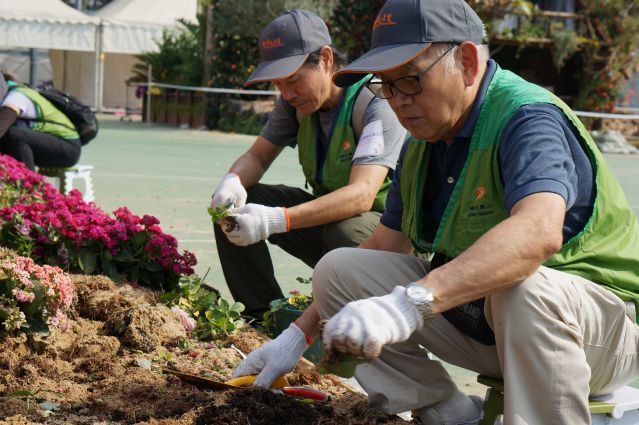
(268, 43)
(384, 20)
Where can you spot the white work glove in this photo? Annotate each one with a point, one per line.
(363, 327)
(274, 358)
(256, 223)
(229, 191)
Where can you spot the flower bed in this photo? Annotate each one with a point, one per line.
(38, 221)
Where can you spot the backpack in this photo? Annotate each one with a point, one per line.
(82, 117)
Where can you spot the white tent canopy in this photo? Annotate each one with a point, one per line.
(46, 24)
(133, 26)
(91, 56)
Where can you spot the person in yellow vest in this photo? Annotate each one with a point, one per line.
(347, 140)
(33, 131)
(534, 276)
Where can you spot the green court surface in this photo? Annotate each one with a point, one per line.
(171, 173)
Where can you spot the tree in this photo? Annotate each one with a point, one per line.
(180, 59)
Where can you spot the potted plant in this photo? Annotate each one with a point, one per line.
(284, 311)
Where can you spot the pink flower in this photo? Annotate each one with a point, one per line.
(187, 321)
(22, 296)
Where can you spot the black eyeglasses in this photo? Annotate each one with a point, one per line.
(408, 86)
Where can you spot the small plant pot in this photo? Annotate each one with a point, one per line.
(283, 318)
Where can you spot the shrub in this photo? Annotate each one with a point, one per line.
(351, 25)
(39, 222)
(201, 309)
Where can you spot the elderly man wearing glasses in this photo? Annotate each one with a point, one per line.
(535, 267)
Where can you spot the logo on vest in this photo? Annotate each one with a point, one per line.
(479, 193)
(384, 20)
(268, 43)
(346, 145)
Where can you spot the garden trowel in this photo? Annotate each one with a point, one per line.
(280, 385)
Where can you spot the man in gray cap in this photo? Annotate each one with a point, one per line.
(348, 143)
(535, 273)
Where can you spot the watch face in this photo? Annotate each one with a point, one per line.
(419, 293)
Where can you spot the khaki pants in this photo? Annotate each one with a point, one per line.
(559, 339)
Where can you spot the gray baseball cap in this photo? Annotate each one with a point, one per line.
(286, 42)
(405, 28)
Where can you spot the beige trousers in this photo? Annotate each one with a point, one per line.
(559, 338)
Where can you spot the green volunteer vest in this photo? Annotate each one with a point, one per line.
(337, 165)
(605, 252)
(49, 119)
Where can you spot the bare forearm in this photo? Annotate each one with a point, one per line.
(309, 321)
(386, 239)
(341, 204)
(356, 197)
(249, 168)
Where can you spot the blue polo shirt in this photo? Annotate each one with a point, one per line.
(539, 151)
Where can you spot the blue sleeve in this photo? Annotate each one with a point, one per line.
(392, 216)
(536, 155)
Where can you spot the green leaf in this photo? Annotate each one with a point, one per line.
(24, 393)
(125, 256)
(135, 275)
(38, 325)
(237, 307)
(140, 239)
(107, 256)
(87, 260)
(153, 267)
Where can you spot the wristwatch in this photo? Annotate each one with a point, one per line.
(422, 298)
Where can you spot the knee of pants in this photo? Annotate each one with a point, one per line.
(12, 138)
(331, 291)
(338, 234)
(254, 194)
(516, 312)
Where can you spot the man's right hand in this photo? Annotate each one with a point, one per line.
(229, 191)
(274, 358)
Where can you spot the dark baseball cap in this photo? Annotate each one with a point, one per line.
(405, 28)
(286, 42)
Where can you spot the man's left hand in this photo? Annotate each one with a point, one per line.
(363, 327)
(256, 223)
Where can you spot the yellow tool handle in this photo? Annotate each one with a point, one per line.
(244, 381)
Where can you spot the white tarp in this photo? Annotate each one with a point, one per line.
(133, 26)
(91, 56)
(46, 24)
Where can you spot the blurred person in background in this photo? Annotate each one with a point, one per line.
(32, 130)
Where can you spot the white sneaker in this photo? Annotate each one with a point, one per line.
(460, 409)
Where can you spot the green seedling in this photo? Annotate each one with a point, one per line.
(220, 215)
(30, 395)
